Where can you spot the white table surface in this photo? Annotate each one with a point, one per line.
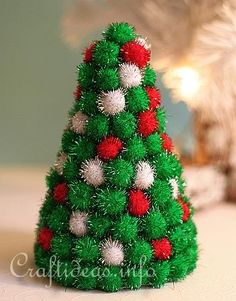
(21, 193)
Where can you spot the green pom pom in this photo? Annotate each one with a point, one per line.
(154, 225)
(167, 166)
(172, 212)
(86, 249)
(140, 252)
(98, 225)
(82, 149)
(119, 172)
(135, 277)
(149, 78)
(59, 219)
(63, 273)
(181, 185)
(53, 178)
(70, 170)
(87, 104)
(160, 273)
(192, 257)
(107, 79)
(80, 196)
(183, 236)
(45, 211)
(135, 149)
(87, 278)
(41, 257)
(110, 280)
(153, 144)
(68, 140)
(97, 127)
(106, 54)
(61, 245)
(111, 202)
(120, 33)
(160, 193)
(161, 117)
(126, 228)
(86, 75)
(137, 99)
(124, 125)
(178, 268)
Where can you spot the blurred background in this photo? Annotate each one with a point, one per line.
(193, 51)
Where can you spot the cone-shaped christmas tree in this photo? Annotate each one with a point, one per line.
(115, 214)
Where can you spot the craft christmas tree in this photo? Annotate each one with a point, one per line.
(115, 214)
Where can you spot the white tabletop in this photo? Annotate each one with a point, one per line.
(21, 193)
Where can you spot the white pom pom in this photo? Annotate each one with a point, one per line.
(112, 252)
(78, 122)
(130, 75)
(144, 176)
(78, 223)
(175, 188)
(92, 172)
(112, 102)
(143, 42)
(58, 165)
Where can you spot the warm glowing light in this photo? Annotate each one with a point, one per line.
(189, 81)
(184, 82)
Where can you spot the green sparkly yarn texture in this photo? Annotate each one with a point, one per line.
(160, 193)
(111, 201)
(161, 117)
(86, 75)
(135, 149)
(86, 104)
(137, 100)
(126, 229)
(140, 252)
(106, 53)
(153, 144)
(120, 33)
(98, 225)
(86, 250)
(59, 219)
(149, 78)
(97, 127)
(53, 178)
(107, 79)
(154, 225)
(62, 245)
(70, 170)
(87, 235)
(119, 172)
(124, 125)
(81, 196)
(82, 149)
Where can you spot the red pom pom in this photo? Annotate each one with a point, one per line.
(186, 210)
(166, 142)
(109, 148)
(147, 123)
(60, 192)
(162, 248)
(88, 53)
(44, 238)
(138, 203)
(135, 53)
(154, 97)
(77, 93)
